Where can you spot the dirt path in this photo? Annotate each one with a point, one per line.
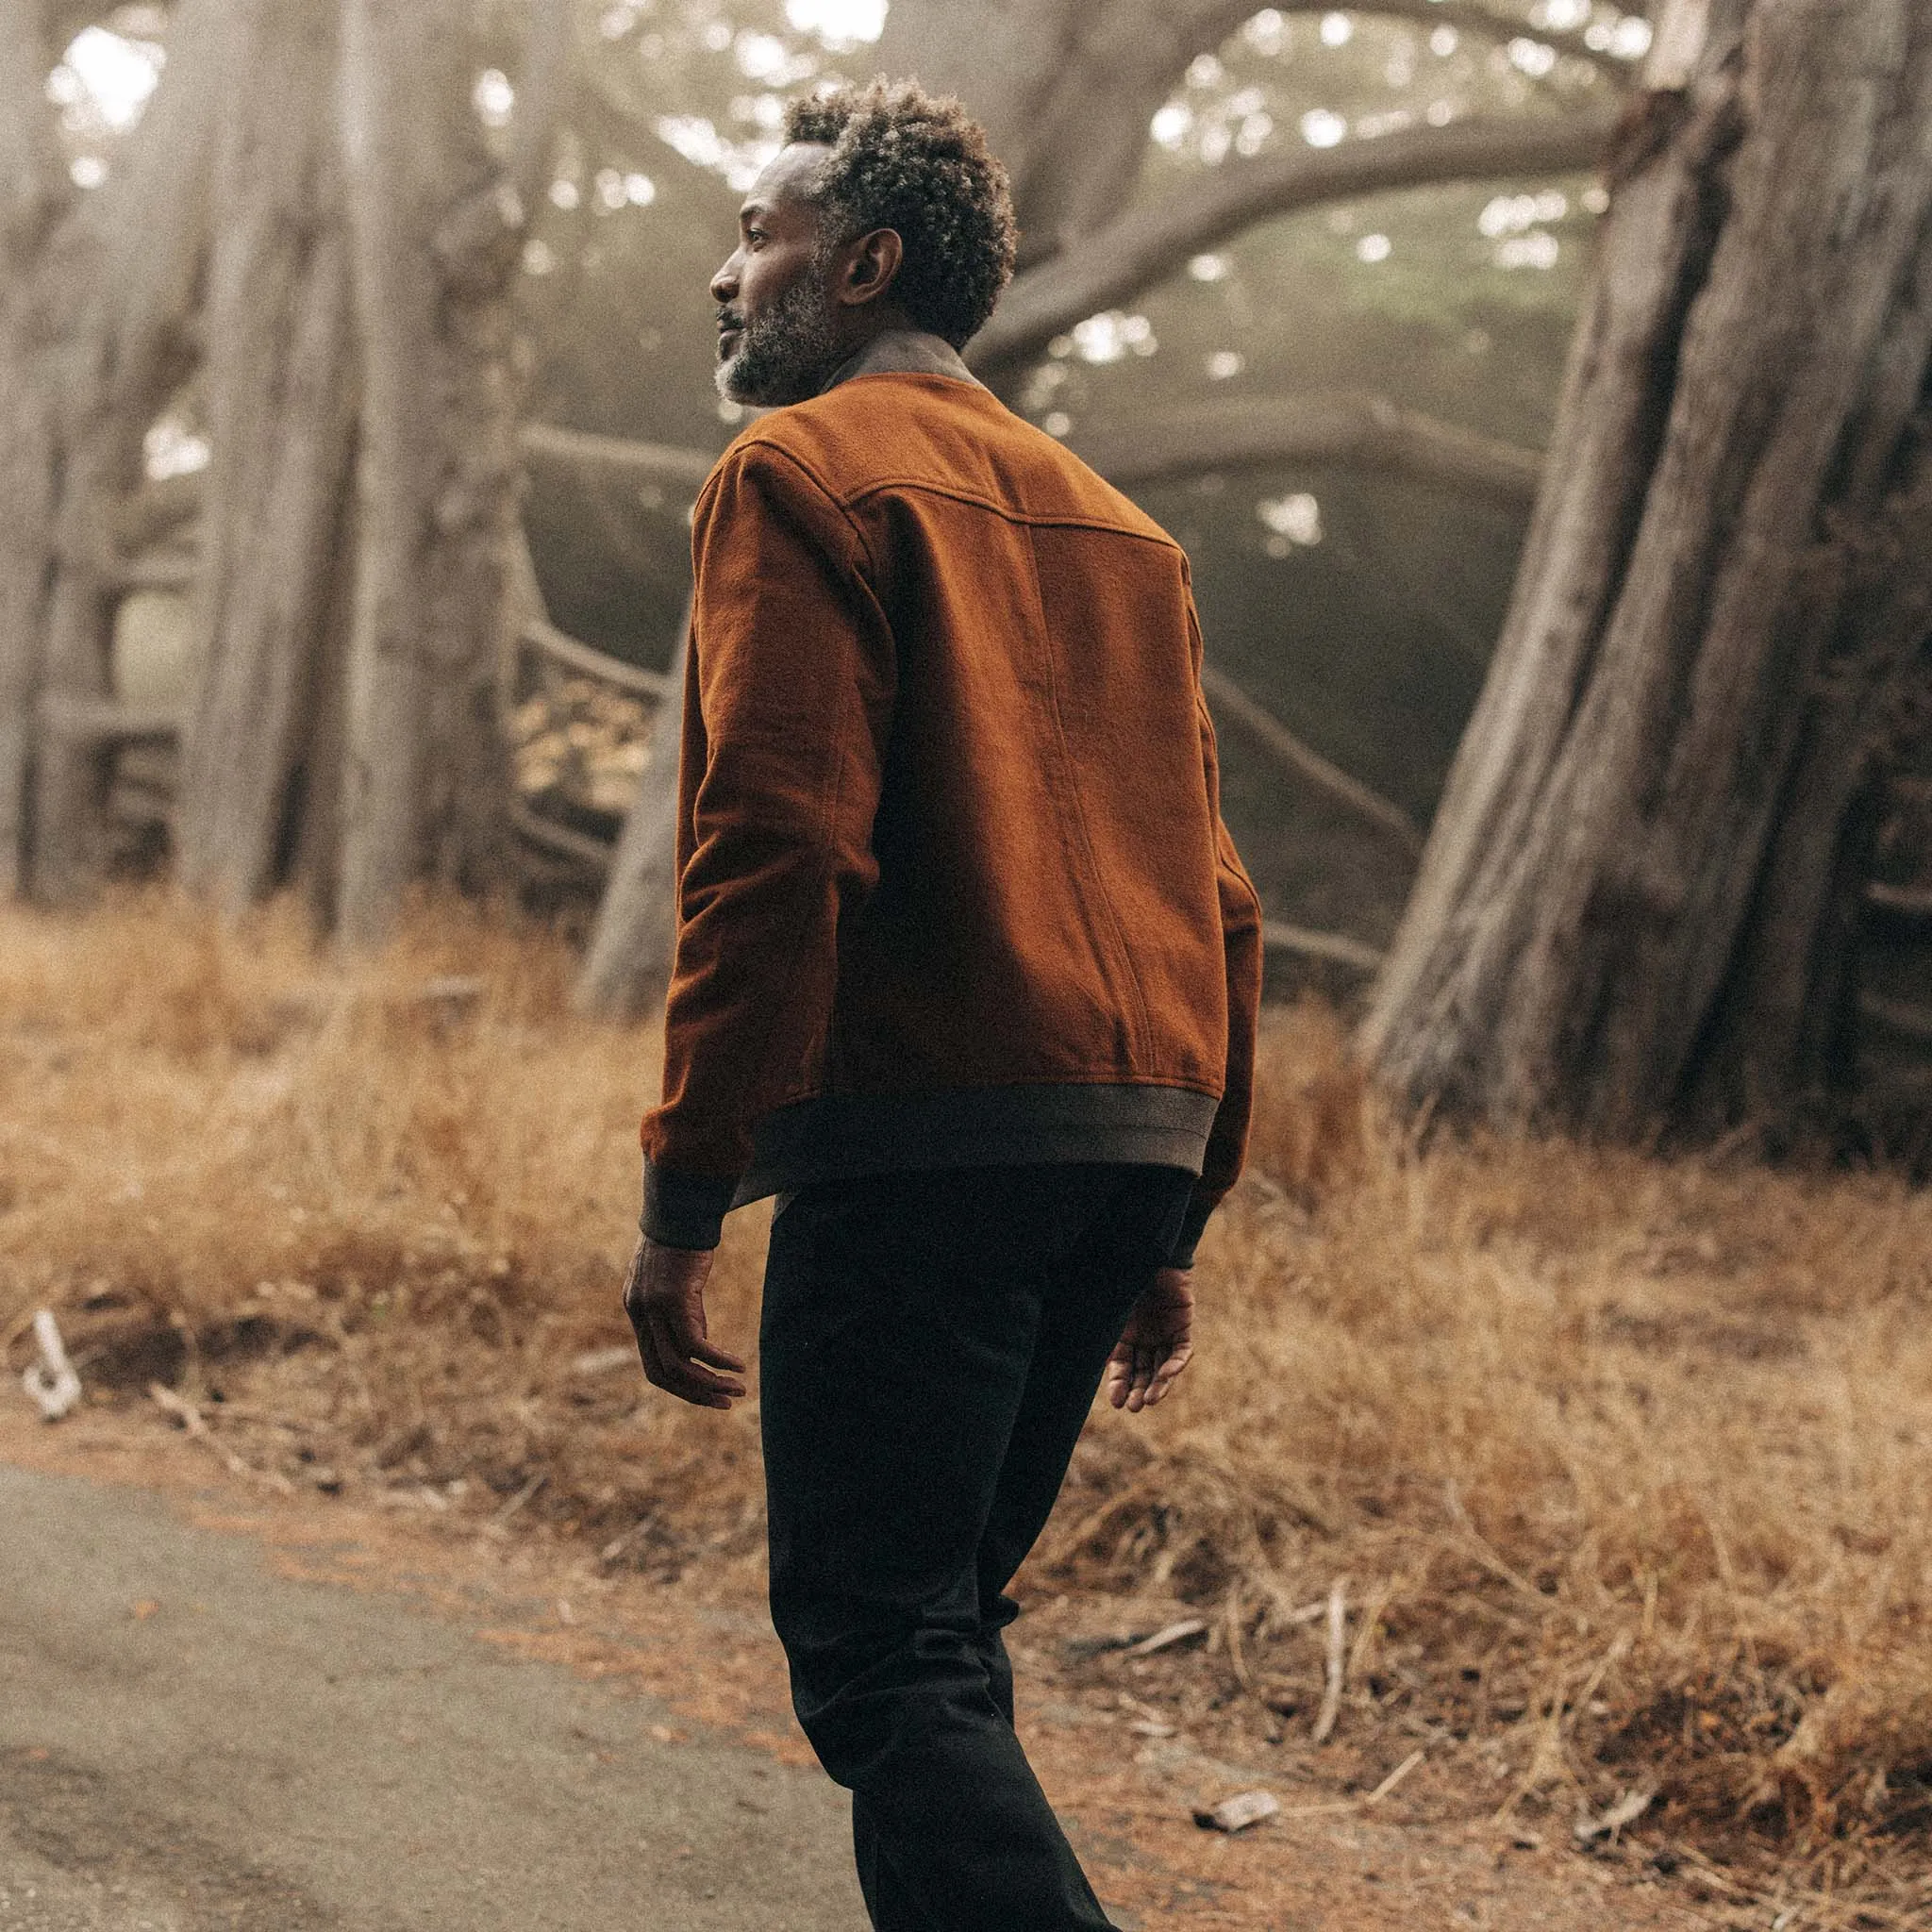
(190, 1739)
(224, 1710)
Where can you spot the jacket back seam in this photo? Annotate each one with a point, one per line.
(1076, 812)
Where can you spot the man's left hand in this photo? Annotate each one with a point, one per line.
(664, 1297)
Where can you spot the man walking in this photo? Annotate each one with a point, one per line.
(967, 974)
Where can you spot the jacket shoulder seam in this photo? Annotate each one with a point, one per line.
(1024, 518)
(778, 449)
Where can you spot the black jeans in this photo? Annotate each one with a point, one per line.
(930, 1347)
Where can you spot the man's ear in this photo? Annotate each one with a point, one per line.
(871, 266)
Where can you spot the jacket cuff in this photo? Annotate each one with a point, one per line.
(1200, 1205)
(684, 1211)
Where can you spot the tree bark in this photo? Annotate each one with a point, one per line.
(436, 227)
(123, 287)
(33, 198)
(627, 965)
(1064, 89)
(280, 393)
(1623, 903)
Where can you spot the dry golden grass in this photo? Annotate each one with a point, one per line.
(1623, 1464)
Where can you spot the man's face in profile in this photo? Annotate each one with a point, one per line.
(778, 333)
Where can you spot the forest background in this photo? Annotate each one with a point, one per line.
(355, 364)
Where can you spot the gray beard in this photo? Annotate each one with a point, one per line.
(786, 356)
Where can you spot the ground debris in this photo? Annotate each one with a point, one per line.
(51, 1381)
(1166, 1638)
(1626, 1810)
(1237, 1812)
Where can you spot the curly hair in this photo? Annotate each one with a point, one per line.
(903, 160)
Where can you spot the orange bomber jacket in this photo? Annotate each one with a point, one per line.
(953, 884)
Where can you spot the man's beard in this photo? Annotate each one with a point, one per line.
(785, 355)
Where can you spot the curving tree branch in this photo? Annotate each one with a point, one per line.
(643, 462)
(1472, 17)
(1147, 244)
(1367, 430)
(1227, 697)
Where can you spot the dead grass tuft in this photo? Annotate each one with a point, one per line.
(1622, 1463)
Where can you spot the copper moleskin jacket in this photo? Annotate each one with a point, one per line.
(954, 887)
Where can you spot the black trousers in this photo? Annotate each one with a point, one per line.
(930, 1347)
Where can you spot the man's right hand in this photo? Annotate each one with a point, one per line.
(664, 1297)
(1157, 1345)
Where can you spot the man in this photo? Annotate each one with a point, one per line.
(967, 974)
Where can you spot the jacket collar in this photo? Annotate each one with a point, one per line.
(903, 351)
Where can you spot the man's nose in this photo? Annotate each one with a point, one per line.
(724, 283)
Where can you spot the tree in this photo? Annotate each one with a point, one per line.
(264, 738)
(628, 964)
(1633, 905)
(436, 230)
(34, 197)
(96, 320)
(347, 314)
(1067, 90)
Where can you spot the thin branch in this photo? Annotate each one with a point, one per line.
(158, 510)
(580, 848)
(1369, 430)
(588, 661)
(1262, 723)
(1336, 1663)
(1147, 244)
(614, 126)
(544, 92)
(1335, 947)
(66, 18)
(643, 463)
(167, 570)
(1205, 23)
(1469, 17)
(86, 721)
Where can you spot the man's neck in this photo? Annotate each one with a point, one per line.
(903, 352)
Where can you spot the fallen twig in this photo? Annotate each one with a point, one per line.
(1168, 1638)
(191, 1419)
(603, 1362)
(1395, 1778)
(1338, 1640)
(1333, 1807)
(51, 1381)
(522, 1496)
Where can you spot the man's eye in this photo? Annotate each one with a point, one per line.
(753, 234)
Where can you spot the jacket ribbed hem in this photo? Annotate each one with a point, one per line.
(839, 1137)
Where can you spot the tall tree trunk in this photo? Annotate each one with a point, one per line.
(436, 229)
(1064, 89)
(628, 966)
(34, 197)
(280, 394)
(1630, 874)
(125, 288)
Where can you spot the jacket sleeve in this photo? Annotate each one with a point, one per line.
(787, 700)
(1241, 936)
